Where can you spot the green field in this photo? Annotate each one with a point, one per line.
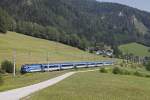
(10, 82)
(35, 50)
(97, 86)
(136, 49)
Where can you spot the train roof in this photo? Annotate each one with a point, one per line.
(71, 63)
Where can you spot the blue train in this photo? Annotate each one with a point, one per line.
(28, 68)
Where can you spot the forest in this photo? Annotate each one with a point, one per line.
(79, 23)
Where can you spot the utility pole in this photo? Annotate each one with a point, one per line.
(95, 57)
(48, 60)
(14, 60)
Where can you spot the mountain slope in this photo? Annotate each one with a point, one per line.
(91, 21)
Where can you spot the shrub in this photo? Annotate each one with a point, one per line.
(117, 70)
(148, 76)
(103, 70)
(1, 80)
(2, 71)
(122, 65)
(7, 66)
(138, 74)
(133, 66)
(126, 72)
(147, 66)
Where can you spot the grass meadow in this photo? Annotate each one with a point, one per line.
(136, 49)
(97, 86)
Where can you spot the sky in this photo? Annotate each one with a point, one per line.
(140, 4)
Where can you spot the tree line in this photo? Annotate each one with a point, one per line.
(5, 21)
(79, 23)
(39, 31)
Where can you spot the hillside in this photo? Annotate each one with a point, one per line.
(136, 49)
(35, 50)
(82, 23)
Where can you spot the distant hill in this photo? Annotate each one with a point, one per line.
(34, 50)
(136, 49)
(80, 23)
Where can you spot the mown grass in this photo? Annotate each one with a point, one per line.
(136, 49)
(97, 86)
(35, 50)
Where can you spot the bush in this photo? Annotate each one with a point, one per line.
(2, 71)
(147, 66)
(133, 66)
(7, 66)
(103, 70)
(117, 70)
(138, 74)
(122, 65)
(148, 76)
(1, 80)
(126, 72)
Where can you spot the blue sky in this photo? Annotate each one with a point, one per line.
(140, 4)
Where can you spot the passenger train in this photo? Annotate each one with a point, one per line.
(28, 68)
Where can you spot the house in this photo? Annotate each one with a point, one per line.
(99, 52)
(105, 52)
(109, 52)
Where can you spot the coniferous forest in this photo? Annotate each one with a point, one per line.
(79, 23)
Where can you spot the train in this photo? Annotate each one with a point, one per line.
(29, 68)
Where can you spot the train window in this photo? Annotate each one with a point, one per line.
(67, 65)
(45, 66)
(53, 66)
(34, 66)
(80, 64)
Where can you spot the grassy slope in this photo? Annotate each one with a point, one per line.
(136, 49)
(34, 50)
(97, 86)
